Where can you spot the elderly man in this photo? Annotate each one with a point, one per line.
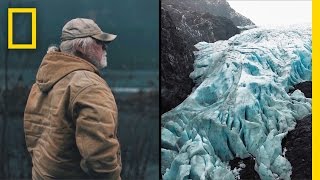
(70, 119)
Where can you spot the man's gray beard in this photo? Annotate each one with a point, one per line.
(99, 63)
(103, 62)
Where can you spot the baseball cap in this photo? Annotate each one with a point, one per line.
(82, 27)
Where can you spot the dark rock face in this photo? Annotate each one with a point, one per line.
(195, 27)
(214, 7)
(305, 87)
(181, 29)
(248, 172)
(176, 64)
(298, 144)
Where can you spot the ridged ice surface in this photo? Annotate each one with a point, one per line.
(241, 106)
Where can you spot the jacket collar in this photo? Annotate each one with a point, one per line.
(56, 65)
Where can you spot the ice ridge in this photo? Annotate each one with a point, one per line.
(240, 106)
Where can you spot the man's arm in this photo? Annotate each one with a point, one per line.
(95, 117)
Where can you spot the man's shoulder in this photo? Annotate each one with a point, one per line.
(82, 78)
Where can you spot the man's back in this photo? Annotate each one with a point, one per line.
(71, 120)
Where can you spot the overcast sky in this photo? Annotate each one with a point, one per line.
(266, 12)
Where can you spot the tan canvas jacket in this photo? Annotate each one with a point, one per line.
(70, 122)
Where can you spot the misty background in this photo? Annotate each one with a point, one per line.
(136, 24)
(132, 74)
(280, 12)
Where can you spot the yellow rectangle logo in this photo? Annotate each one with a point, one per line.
(33, 12)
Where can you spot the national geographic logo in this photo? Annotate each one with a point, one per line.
(33, 12)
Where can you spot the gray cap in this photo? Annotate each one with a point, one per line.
(81, 27)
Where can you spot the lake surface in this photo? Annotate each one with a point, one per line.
(134, 79)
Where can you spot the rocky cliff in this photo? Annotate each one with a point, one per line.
(214, 7)
(176, 64)
(298, 142)
(197, 26)
(181, 28)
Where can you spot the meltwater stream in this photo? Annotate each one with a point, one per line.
(240, 106)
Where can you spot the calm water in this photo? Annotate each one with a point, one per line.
(141, 79)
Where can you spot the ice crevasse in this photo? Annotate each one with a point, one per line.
(240, 106)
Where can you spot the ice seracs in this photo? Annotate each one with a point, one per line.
(240, 106)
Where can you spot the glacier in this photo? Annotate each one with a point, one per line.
(240, 106)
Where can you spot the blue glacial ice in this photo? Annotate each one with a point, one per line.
(240, 106)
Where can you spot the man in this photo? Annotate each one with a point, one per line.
(70, 119)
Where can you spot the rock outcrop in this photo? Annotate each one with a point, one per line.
(214, 7)
(195, 26)
(176, 64)
(180, 30)
(298, 142)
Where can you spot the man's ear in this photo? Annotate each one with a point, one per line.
(81, 52)
(80, 49)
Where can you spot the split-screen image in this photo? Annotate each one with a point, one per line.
(146, 90)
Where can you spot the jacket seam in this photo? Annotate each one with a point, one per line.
(93, 83)
(72, 104)
(78, 93)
